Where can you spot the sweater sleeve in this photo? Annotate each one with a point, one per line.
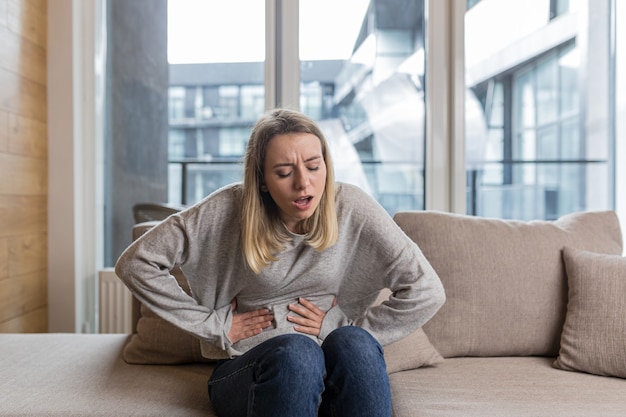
(383, 256)
(416, 295)
(145, 269)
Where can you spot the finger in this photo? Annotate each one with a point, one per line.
(300, 310)
(244, 328)
(315, 309)
(253, 322)
(307, 330)
(306, 312)
(315, 324)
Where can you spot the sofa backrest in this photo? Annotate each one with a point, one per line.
(505, 281)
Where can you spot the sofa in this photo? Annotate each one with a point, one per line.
(534, 325)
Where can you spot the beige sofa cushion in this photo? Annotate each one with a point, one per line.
(504, 387)
(83, 375)
(594, 334)
(158, 342)
(505, 280)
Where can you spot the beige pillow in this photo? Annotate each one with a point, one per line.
(412, 352)
(158, 342)
(505, 282)
(594, 334)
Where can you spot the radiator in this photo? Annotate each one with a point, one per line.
(116, 304)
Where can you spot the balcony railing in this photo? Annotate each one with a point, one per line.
(398, 185)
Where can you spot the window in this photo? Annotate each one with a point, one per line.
(539, 158)
(369, 100)
(588, 133)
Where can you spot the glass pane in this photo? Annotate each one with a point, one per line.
(216, 91)
(202, 179)
(569, 64)
(544, 156)
(547, 91)
(362, 78)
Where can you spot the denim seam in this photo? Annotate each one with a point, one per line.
(240, 370)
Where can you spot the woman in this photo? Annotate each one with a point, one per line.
(284, 269)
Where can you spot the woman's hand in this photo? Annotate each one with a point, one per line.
(248, 324)
(311, 316)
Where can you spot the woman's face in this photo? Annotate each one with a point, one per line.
(295, 176)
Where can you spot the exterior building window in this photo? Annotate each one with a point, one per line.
(176, 103)
(252, 101)
(228, 104)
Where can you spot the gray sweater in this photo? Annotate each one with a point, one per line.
(372, 253)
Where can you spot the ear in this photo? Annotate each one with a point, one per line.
(264, 188)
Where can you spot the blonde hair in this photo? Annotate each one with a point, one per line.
(262, 232)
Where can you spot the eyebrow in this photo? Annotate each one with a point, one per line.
(289, 164)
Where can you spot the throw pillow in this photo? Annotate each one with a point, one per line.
(412, 352)
(594, 335)
(158, 342)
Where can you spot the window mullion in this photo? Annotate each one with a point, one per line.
(445, 106)
(282, 64)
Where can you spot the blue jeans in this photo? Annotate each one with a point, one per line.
(292, 376)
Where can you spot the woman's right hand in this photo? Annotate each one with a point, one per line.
(248, 324)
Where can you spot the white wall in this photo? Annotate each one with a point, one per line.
(73, 213)
(620, 104)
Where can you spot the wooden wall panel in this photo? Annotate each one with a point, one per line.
(27, 137)
(22, 96)
(28, 18)
(22, 294)
(23, 215)
(25, 174)
(4, 258)
(32, 322)
(23, 166)
(23, 58)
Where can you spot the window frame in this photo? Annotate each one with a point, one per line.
(76, 39)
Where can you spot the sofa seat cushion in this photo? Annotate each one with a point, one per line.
(85, 375)
(504, 386)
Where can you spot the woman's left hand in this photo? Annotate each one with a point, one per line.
(310, 317)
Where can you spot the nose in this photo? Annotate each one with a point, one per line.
(301, 179)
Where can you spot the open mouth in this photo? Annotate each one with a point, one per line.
(303, 201)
